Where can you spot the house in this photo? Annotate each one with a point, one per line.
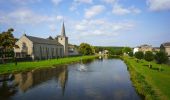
(156, 49)
(40, 48)
(136, 49)
(72, 50)
(165, 47)
(143, 48)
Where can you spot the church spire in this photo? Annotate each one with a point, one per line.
(63, 30)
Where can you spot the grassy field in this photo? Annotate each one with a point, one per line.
(25, 66)
(150, 82)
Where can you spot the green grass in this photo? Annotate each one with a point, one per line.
(25, 66)
(150, 82)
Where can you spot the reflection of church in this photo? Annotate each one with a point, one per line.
(31, 79)
(25, 81)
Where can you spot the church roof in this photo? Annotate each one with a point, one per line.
(42, 40)
(63, 30)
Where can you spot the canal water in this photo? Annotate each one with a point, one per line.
(98, 79)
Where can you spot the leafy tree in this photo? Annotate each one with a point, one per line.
(126, 50)
(85, 49)
(161, 57)
(7, 42)
(130, 54)
(139, 55)
(149, 57)
(7, 39)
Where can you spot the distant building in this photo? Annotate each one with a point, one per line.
(136, 49)
(143, 48)
(156, 49)
(72, 50)
(165, 47)
(39, 48)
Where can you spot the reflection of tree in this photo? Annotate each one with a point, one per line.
(6, 90)
(87, 60)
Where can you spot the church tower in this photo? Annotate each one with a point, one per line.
(63, 39)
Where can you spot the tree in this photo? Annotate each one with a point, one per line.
(161, 57)
(7, 39)
(85, 49)
(7, 42)
(139, 55)
(126, 50)
(130, 54)
(149, 57)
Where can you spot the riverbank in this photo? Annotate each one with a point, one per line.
(149, 82)
(26, 66)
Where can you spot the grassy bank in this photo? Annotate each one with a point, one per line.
(150, 82)
(25, 66)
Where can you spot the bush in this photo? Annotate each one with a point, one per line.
(149, 57)
(130, 54)
(161, 57)
(139, 55)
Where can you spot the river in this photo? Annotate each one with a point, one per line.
(99, 79)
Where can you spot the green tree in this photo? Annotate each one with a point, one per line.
(139, 55)
(126, 50)
(7, 42)
(149, 57)
(85, 49)
(161, 57)
(130, 54)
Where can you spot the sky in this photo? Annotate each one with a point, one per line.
(97, 22)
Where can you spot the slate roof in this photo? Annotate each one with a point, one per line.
(43, 41)
(166, 44)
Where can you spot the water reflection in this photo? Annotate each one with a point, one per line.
(105, 79)
(25, 81)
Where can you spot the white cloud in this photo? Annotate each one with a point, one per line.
(76, 3)
(27, 16)
(83, 1)
(94, 10)
(101, 27)
(56, 2)
(24, 2)
(158, 5)
(110, 1)
(119, 10)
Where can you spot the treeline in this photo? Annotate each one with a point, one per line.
(160, 57)
(87, 49)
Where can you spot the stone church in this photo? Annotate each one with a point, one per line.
(40, 48)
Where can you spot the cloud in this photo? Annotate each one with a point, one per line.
(84, 1)
(76, 3)
(27, 16)
(119, 10)
(94, 10)
(102, 27)
(110, 1)
(56, 2)
(24, 2)
(158, 5)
